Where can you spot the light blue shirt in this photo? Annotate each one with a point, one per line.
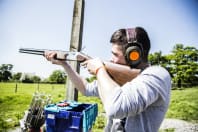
(142, 101)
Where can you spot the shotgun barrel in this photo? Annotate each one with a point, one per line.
(32, 51)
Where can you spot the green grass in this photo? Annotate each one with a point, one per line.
(184, 104)
(12, 105)
(167, 130)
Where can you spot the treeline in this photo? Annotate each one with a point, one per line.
(182, 64)
(6, 75)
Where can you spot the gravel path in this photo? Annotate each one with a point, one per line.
(179, 125)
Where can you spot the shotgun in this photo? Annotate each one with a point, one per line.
(119, 73)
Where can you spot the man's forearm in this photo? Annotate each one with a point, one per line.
(106, 86)
(121, 73)
(76, 79)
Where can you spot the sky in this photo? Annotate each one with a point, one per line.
(46, 24)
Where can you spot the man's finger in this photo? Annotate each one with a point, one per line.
(84, 64)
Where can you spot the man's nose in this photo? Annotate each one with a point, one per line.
(112, 60)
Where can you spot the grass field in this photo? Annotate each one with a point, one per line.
(184, 104)
(13, 103)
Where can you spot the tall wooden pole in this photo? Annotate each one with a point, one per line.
(75, 45)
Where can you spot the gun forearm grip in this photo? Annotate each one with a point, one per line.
(61, 55)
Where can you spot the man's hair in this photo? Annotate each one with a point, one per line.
(119, 37)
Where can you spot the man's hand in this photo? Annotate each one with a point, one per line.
(50, 56)
(93, 65)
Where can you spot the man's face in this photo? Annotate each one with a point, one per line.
(117, 55)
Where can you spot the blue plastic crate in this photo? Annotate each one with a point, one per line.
(70, 116)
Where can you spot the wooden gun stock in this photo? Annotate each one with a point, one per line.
(119, 73)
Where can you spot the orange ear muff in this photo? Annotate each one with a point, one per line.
(134, 55)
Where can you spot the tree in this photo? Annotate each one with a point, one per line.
(36, 79)
(57, 76)
(5, 72)
(16, 76)
(30, 78)
(155, 58)
(186, 64)
(26, 78)
(158, 59)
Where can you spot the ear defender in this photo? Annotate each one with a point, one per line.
(134, 50)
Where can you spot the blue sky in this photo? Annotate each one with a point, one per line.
(46, 24)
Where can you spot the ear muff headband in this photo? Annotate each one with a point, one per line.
(134, 50)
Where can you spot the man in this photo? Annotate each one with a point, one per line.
(141, 102)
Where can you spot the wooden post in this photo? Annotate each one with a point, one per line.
(16, 88)
(75, 45)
